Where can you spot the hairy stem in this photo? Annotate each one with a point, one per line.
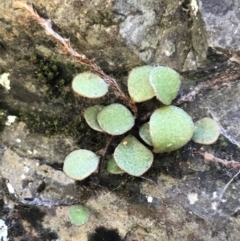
(109, 141)
(217, 80)
(80, 58)
(208, 157)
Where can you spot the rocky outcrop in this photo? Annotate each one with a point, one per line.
(180, 197)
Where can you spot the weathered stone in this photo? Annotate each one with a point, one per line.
(172, 47)
(138, 25)
(119, 35)
(223, 104)
(35, 184)
(32, 145)
(222, 23)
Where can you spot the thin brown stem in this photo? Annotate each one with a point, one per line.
(109, 141)
(80, 58)
(217, 80)
(208, 157)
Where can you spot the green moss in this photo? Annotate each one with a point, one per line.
(3, 118)
(104, 17)
(223, 142)
(55, 75)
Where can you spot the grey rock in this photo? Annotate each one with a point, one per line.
(138, 25)
(35, 184)
(119, 35)
(37, 146)
(172, 47)
(211, 195)
(222, 23)
(223, 104)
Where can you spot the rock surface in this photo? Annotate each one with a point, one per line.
(223, 105)
(180, 197)
(222, 23)
(34, 183)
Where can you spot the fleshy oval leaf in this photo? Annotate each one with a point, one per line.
(139, 87)
(115, 119)
(132, 156)
(78, 215)
(145, 133)
(89, 85)
(170, 128)
(166, 83)
(206, 131)
(113, 168)
(80, 164)
(90, 116)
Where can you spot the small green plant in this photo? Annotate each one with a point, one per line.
(80, 164)
(144, 133)
(132, 156)
(89, 85)
(115, 119)
(78, 214)
(113, 168)
(206, 131)
(168, 128)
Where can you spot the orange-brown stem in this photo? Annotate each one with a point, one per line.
(80, 58)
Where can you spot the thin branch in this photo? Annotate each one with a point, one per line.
(217, 80)
(208, 157)
(80, 58)
(109, 141)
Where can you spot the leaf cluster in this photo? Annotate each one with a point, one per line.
(168, 128)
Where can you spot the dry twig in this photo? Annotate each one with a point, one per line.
(103, 155)
(208, 157)
(218, 80)
(80, 58)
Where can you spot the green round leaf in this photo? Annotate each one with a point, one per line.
(115, 119)
(80, 164)
(206, 131)
(78, 214)
(166, 83)
(89, 85)
(132, 156)
(90, 116)
(170, 128)
(145, 134)
(113, 168)
(139, 87)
